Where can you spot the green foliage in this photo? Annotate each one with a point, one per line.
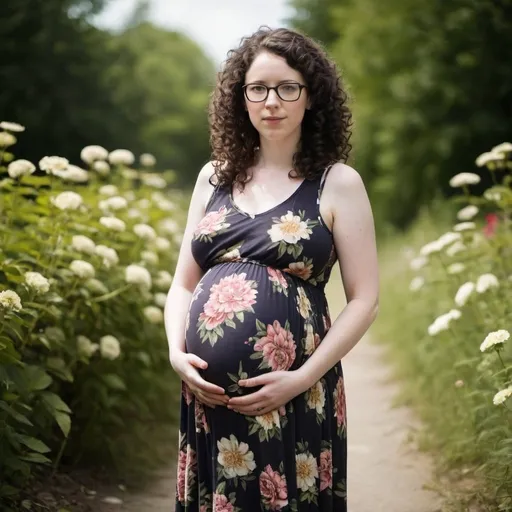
(435, 323)
(71, 84)
(430, 86)
(84, 368)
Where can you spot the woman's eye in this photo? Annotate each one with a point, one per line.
(257, 88)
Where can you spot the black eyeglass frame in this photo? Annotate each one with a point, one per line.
(301, 86)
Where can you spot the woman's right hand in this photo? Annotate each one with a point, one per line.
(185, 365)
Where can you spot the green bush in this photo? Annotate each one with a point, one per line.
(84, 270)
(436, 315)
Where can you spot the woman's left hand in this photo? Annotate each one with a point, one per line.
(278, 388)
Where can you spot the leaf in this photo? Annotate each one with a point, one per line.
(36, 379)
(16, 415)
(33, 443)
(55, 402)
(35, 457)
(113, 381)
(64, 422)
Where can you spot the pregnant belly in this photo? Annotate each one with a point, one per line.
(245, 319)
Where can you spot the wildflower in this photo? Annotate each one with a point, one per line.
(168, 226)
(144, 203)
(160, 299)
(67, 201)
(113, 203)
(153, 314)
(486, 281)
(431, 248)
(165, 205)
(113, 223)
(492, 195)
(153, 180)
(164, 279)
(121, 157)
(418, 262)
(504, 147)
(109, 255)
(12, 127)
(108, 190)
(463, 293)
(7, 139)
(83, 244)
(467, 213)
(37, 282)
(416, 283)
(20, 168)
(144, 231)
(129, 174)
(494, 338)
(129, 196)
(91, 153)
(456, 268)
(487, 158)
(149, 257)
(73, 173)
(101, 167)
(147, 160)
(133, 213)
(464, 226)
(85, 346)
(442, 323)
(10, 300)
(50, 164)
(135, 274)
(491, 224)
(110, 347)
(459, 383)
(448, 238)
(464, 178)
(162, 244)
(502, 395)
(82, 269)
(455, 248)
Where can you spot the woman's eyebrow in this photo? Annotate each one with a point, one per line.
(279, 82)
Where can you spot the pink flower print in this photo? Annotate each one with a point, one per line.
(278, 347)
(339, 403)
(325, 469)
(277, 277)
(221, 503)
(187, 394)
(282, 410)
(182, 474)
(273, 489)
(212, 223)
(232, 294)
(191, 469)
(200, 417)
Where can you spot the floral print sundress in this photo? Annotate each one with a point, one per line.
(261, 307)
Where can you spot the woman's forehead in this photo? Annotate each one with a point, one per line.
(268, 67)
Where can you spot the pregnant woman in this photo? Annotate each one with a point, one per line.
(263, 415)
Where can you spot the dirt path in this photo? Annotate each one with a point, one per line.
(385, 473)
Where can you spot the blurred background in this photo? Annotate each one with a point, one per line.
(85, 381)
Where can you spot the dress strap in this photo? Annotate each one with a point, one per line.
(322, 181)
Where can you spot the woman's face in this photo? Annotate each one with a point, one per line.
(275, 118)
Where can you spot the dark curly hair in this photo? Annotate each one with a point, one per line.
(325, 131)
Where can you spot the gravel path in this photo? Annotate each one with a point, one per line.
(385, 473)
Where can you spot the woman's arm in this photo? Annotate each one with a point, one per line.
(186, 277)
(354, 238)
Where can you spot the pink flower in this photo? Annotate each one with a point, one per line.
(182, 473)
(300, 269)
(212, 222)
(212, 317)
(325, 469)
(278, 347)
(277, 277)
(187, 394)
(200, 416)
(221, 503)
(339, 403)
(273, 489)
(491, 224)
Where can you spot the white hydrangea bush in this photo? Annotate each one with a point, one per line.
(83, 295)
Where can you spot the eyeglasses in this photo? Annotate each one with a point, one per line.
(289, 91)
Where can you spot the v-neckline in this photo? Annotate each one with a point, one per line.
(270, 210)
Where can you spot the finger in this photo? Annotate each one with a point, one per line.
(197, 361)
(260, 380)
(216, 399)
(253, 410)
(202, 384)
(247, 400)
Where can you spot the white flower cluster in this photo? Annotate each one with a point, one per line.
(493, 339)
(135, 274)
(37, 282)
(10, 301)
(67, 201)
(442, 323)
(19, 168)
(501, 396)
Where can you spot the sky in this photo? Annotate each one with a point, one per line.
(217, 25)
